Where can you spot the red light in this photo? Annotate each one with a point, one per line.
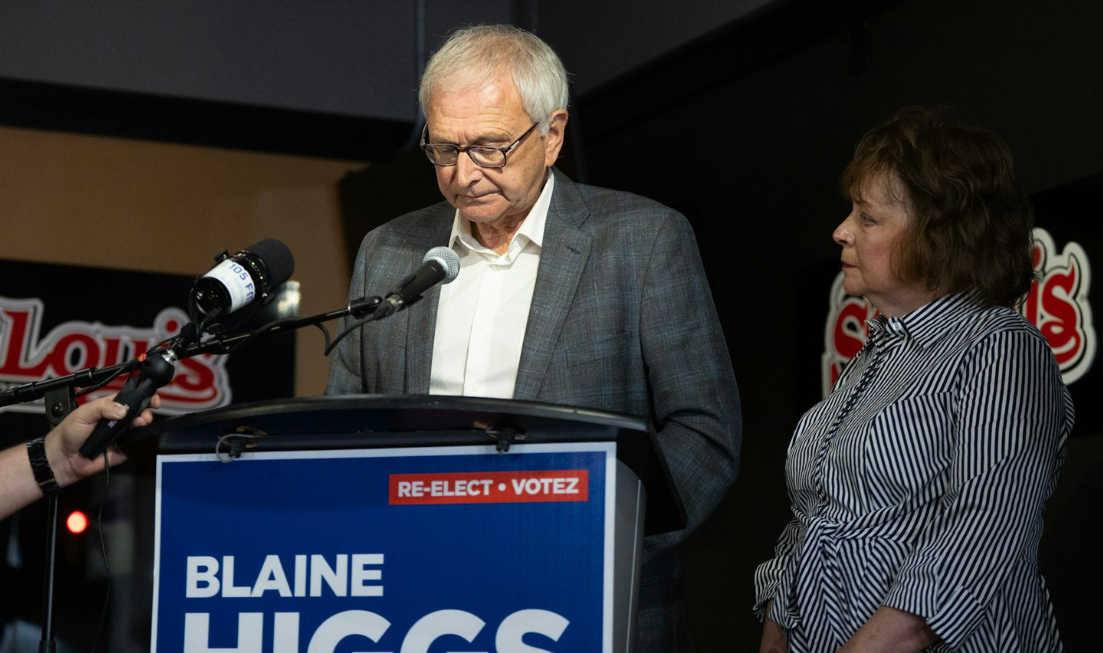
(77, 522)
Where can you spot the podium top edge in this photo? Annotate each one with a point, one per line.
(387, 421)
(352, 413)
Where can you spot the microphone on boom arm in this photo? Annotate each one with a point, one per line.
(235, 282)
(440, 265)
(239, 281)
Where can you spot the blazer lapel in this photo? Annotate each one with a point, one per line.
(562, 260)
(421, 318)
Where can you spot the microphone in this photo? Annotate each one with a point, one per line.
(235, 282)
(156, 371)
(238, 280)
(440, 265)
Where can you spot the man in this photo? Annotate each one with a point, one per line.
(567, 294)
(47, 464)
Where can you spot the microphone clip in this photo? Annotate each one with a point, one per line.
(362, 307)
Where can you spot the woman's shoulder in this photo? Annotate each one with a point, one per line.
(996, 320)
(1001, 329)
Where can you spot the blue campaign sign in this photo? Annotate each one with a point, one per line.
(426, 550)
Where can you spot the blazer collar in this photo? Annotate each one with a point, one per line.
(567, 206)
(562, 259)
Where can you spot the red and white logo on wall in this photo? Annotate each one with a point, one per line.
(1057, 305)
(26, 355)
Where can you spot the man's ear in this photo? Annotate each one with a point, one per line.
(553, 141)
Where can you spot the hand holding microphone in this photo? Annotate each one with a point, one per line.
(64, 442)
(136, 395)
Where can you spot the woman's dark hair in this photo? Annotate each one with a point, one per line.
(970, 223)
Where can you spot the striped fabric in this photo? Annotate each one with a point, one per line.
(920, 482)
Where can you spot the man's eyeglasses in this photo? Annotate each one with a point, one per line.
(482, 155)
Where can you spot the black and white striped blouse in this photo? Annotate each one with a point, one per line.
(920, 482)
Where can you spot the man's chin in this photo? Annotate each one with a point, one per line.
(479, 214)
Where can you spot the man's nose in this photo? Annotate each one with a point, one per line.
(467, 172)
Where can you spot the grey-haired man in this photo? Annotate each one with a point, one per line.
(567, 294)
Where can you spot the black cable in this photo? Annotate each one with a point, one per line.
(325, 332)
(350, 328)
(126, 371)
(131, 365)
(329, 344)
(263, 329)
(158, 346)
(103, 552)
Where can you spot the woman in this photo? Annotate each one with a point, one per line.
(918, 485)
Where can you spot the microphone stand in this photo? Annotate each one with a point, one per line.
(58, 406)
(157, 371)
(60, 401)
(360, 308)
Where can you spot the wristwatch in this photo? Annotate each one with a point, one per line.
(40, 465)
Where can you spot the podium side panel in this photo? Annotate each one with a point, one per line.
(631, 506)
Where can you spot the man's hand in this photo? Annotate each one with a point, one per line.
(18, 487)
(64, 442)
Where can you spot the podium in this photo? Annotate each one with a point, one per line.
(402, 524)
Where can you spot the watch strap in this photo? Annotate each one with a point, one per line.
(40, 465)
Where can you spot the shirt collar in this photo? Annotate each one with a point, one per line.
(532, 229)
(926, 324)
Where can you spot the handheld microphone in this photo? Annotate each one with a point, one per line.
(155, 371)
(239, 280)
(440, 265)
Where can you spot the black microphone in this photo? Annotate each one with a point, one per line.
(440, 265)
(239, 280)
(155, 371)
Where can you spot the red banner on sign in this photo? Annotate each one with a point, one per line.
(490, 487)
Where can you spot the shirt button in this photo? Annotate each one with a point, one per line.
(474, 388)
(482, 327)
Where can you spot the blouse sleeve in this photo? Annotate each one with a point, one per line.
(1013, 415)
(768, 575)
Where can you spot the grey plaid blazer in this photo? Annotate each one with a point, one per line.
(621, 320)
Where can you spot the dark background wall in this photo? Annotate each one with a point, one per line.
(332, 56)
(343, 57)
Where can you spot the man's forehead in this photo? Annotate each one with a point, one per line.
(478, 81)
(490, 91)
(470, 118)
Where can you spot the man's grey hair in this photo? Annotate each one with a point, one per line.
(473, 56)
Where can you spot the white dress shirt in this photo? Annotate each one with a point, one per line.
(482, 315)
